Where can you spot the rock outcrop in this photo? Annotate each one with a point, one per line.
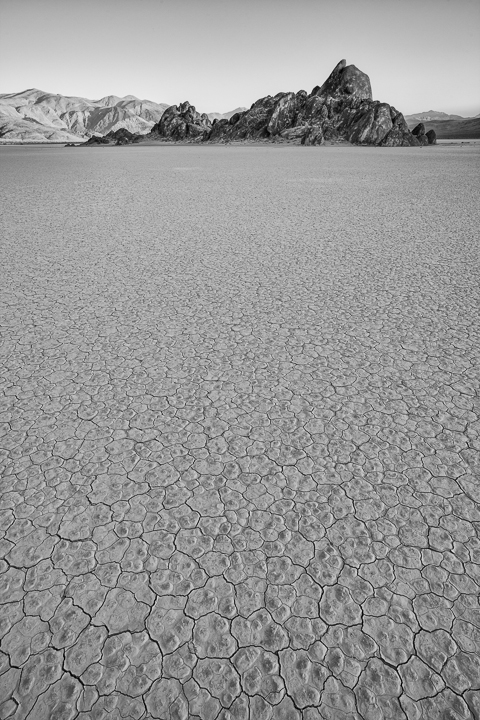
(98, 140)
(122, 136)
(182, 122)
(342, 109)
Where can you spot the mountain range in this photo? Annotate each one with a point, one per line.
(38, 116)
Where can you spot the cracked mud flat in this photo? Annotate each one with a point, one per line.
(239, 434)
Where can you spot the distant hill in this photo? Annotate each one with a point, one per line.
(37, 116)
(225, 116)
(468, 129)
(430, 115)
(447, 127)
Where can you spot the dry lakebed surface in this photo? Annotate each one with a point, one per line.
(239, 433)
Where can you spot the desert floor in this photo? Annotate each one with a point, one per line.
(239, 433)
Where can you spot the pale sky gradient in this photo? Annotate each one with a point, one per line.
(221, 54)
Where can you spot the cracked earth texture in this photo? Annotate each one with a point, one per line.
(239, 434)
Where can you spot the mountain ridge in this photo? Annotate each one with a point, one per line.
(433, 115)
(71, 118)
(34, 115)
(447, 126)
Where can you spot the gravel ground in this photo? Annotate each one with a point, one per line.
(239, 433)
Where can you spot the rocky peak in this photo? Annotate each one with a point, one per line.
(345, 81)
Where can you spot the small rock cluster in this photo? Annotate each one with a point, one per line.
(122, 136)
(424, 138)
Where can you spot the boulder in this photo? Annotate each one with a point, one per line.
(431, 136)
(235, 118)
(419, 129)
(372, 125)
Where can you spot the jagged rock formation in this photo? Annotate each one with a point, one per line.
(341, 109)
(182, 122)
(122, 136)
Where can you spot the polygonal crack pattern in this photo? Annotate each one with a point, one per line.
(240, 472)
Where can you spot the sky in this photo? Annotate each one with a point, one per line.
(221, 54)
